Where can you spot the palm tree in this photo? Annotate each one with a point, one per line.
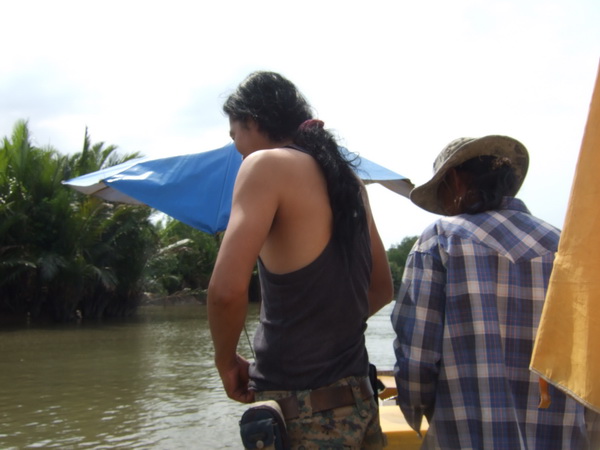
(96, 157)
(59, 250)
(32, 202)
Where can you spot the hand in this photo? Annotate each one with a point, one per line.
(235, 378)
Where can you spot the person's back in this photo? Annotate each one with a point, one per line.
(469, 307)
(313, 310)
(496, 265)
(302, 225)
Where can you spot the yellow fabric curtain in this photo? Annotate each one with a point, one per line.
(567, 346)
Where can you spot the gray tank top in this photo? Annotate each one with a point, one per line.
(312, 321)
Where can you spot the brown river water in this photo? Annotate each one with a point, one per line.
(142, 383)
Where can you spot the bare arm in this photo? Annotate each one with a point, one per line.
(381, 289)
(254, 205)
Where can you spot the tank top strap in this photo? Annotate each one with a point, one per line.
(297, 147)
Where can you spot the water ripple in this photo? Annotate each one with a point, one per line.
(143, 383)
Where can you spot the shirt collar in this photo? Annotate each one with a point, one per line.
(514, 204)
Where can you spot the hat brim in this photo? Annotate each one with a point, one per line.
(426, 196)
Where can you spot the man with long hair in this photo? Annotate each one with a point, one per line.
(300, 210)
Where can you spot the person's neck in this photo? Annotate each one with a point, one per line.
(269, 144)
(281, 144)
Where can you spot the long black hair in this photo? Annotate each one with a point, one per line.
(279, 109)
(490, 178)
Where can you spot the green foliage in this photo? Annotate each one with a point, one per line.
(64, 254)
(184, 261)
(61, 251)
(397, 255)
(95, 157)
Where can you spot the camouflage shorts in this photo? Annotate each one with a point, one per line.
(354, 427)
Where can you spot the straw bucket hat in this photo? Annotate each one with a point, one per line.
(463, 149)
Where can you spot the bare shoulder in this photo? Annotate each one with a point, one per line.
(276, 156)
(276, 163)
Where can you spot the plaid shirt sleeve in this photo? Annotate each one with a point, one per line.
(418, 320)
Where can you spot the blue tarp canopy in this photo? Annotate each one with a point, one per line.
(196, 188)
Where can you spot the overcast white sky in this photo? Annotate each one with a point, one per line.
(396, 80)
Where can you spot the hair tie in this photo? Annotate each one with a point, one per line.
(311, 123)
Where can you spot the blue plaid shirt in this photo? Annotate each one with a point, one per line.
(465, 319)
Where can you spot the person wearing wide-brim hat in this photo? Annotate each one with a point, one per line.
(469, 305)
(474, 174)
